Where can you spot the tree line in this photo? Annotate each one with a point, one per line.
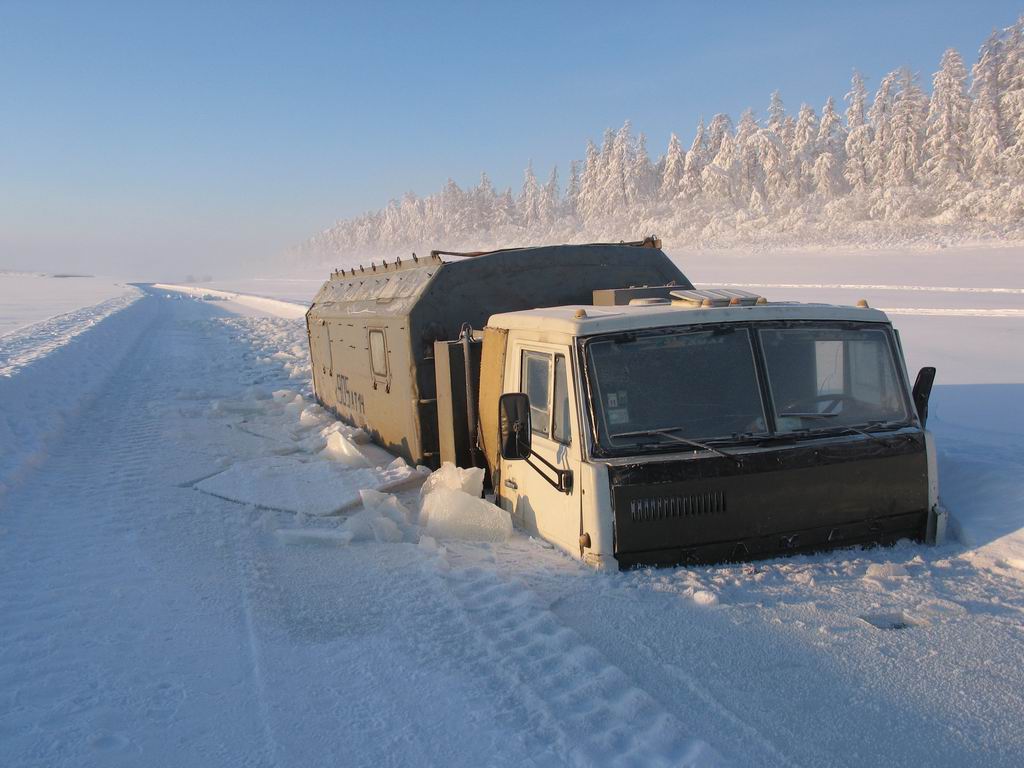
(896, 165)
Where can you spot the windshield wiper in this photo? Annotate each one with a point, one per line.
(668, 432)
(845, 427)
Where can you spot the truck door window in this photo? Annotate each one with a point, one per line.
(378, 353)
(560, 429)
(536, 382)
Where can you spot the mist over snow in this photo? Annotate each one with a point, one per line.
(898, 166)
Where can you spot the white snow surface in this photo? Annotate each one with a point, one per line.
(27, 298)
(147, 622)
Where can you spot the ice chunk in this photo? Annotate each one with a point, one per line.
(385, 504)
(455, 514)
(886, 571)
(371, 525)
(292, 485)
(704, 597)
(470, 481)
(342, 450)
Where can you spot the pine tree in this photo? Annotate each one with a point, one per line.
(483, 204)
(805, 146)
(858, 138)
(696, 159)
(719, 127)
(748, 172)
(1011, 100)
(908, 120)
(613, 187)
(671, 183)
(572, 192)
(719, 177)
(639, 180)
(529, 203)
(549, 196)
(776, 114)
(945, 146)
(772, 156)
(505, 211)
(984, 139)
(831, 145)
(590, 185)
(880, 117)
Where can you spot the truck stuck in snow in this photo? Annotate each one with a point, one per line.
(624, 415)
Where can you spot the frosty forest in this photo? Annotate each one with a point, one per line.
(896, 166)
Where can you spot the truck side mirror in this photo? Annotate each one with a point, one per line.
(923, 391)
(514, 425)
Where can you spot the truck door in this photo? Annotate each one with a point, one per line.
(544, 373)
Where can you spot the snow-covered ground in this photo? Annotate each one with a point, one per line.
(154, 615)
(27, 298)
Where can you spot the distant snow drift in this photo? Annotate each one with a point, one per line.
(908, 166)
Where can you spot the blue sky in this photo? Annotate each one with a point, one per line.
(146, 138)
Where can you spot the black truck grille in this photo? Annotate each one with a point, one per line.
(652, 508)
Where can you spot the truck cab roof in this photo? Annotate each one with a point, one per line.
(588, 320)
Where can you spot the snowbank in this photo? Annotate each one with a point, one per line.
(276, 307)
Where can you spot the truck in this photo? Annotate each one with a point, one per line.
(628, 417)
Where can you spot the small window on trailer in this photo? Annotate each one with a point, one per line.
(378, 353)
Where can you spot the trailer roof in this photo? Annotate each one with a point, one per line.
(587, 320)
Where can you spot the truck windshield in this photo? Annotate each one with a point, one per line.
(648, 389)
(824, 378)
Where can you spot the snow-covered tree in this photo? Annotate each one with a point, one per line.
(805, 148)
(640, 180)
(831, 145)
(719, 178)
(858, 137)
(719, 127)
(671, 183)
(945, 145)
(907, 132)
(696, 159)
(776, 113)
(588, 200)
(1011, 99)
(529, 203)
(880, 117)
(572, 192)
(549, 199)
(984, 136)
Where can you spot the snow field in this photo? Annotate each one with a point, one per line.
(148, 622)
(30, 298)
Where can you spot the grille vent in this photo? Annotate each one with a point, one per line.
(668, 507)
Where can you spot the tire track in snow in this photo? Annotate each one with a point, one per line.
(601, 717)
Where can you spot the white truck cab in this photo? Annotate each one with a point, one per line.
(666, 433)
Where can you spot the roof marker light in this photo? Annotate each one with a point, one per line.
(580, 313)
(862, 303)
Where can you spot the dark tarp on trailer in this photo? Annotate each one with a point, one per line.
(372, 330)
